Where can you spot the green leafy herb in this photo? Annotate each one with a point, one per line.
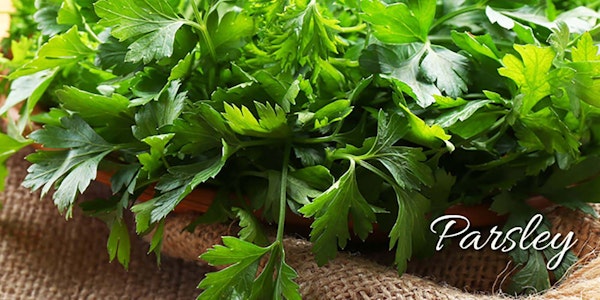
(354, 115)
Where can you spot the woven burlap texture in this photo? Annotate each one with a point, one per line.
(454, 272)
(43, 256)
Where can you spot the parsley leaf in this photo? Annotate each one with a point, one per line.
(60, 51)
(235, 280)
(8, 147)
(331, 211)
(400, 23)
(305, 36)
(74, 169)
(447, 69)
(271, 120)
(531, 74)
(410, 228)
(173, 187)
(118, 244)
(152, 24)
(419, 70)
(28, 87)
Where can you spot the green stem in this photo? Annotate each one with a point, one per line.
(447, 39)
(593, 31)
(356, 28)
(89, 30)
(377, 172)
(283, 191)
(317, 140)
(201, 26)
(344, 62)
(456, 13)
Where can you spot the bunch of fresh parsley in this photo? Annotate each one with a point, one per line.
(350, 113)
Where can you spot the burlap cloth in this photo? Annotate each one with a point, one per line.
(42, 256)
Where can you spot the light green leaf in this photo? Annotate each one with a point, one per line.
(157, 239)
(479, 46)
(305, 36)
(152, 162)
(525, 33)
(28, 87)
(331, 113)
(230, 30)
(586, 49)
(530, 73)
(236, 280)
(118, 243)
(271, 122)
(550, 132)
(184, 66)
(276, 281)
(423, 134)
(399, 23)
(69, 14)
(60, 51)
(8, 147)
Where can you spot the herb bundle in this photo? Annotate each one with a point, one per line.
(349, 113)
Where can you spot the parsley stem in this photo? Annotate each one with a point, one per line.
(456, 13)
(344, 62)
(89, 30)
(317, 140)
(377, 172)
(283, 191)
(438, 39)
(201, 26)
(356, 28)
(593, 31)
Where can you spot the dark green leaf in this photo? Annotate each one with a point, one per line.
(97, 110)
(252, 230)
(332, 210)
(152, 24)
(74, 168)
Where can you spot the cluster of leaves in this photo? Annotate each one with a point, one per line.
(350, 113)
